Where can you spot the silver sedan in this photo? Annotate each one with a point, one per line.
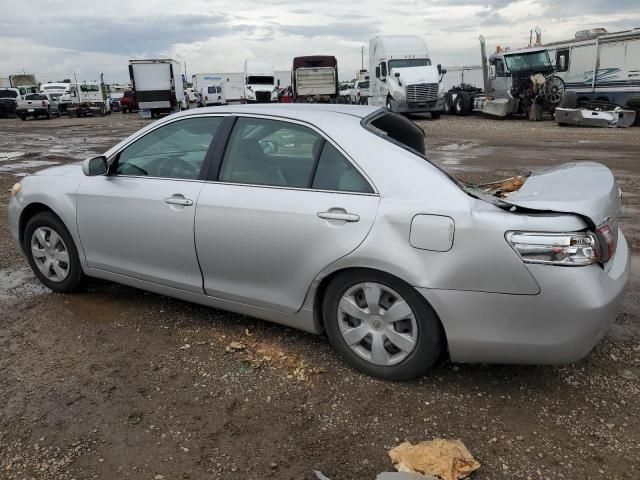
(331, 219)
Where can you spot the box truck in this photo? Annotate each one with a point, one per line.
(158, 85)
(260, 84)
(209, 89)
(402, 76)
(315, 78)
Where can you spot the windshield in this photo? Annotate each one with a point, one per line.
(54, 87)
(409, 62)
(528, 61)
(260, 81)
(8, 94)
(89, 88)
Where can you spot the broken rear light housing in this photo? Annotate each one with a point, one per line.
(572, 249)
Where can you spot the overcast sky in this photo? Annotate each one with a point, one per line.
(55, 37)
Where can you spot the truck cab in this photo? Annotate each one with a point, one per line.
(259, 82)
(403, 77)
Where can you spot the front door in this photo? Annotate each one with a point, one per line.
(286, 204)
(139, 220)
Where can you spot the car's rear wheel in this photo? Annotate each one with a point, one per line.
(52, 253)
(380, 325)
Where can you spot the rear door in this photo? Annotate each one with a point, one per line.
(286, 203)
(139, 220)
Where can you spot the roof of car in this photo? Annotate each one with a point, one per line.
(300, 111)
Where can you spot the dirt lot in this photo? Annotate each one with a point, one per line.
(114, 382)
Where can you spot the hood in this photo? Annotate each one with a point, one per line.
(73, 169)
(411, 75)
(587, 189)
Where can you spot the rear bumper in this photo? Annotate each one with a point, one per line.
(561, 324)
(417, 107)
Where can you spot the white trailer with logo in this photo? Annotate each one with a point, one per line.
(600, 66)
(209, 88)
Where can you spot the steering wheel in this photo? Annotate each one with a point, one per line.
(178, 168)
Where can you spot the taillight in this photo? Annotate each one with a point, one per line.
(572, 249)
(607, 243)
(43, 103)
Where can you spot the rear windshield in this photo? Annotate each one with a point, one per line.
(35, 96)
(260, 81)
(213, 89)
(4, 93)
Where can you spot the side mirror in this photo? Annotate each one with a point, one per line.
(397, 74)
(444, 71)
(439, 69)
(563, 62)
(93, 167)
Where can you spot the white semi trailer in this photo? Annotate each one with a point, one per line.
(402, 76)
(600, 66)
(158, 85)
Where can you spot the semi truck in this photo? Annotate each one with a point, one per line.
(600, 66)
(158, 85)
(516, 82)
(88, 98)
(315, 78)
(402, 76)
(259, 82)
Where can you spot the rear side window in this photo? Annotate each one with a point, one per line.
(277, 153)
(335, 172)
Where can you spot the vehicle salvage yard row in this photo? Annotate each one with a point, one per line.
(114, 382)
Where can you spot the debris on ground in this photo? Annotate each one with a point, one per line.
(235, 347)
(447, 459)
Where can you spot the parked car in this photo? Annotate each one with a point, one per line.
(128, 102)
(9, 101)
(329, 218)
(37, 105)
(344, 93)
(114, 101)
(360, 92)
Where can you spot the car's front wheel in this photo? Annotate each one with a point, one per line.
(52, 253)
(380, 325)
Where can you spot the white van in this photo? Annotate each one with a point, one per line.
(402, 76)
(260, 84)
(209, 89)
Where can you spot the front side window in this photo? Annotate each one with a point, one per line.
(176, 150)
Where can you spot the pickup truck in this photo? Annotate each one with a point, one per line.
(8, 101)
(37, 104)
(128, 102)
(360, 92)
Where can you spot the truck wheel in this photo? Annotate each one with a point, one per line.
(48, 115)
(23, 118)
(569, 99)
(449, 107)
(460, 106)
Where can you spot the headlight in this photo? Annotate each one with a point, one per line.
(573, 249)
(15, 189)
(250, 94)
(397, 96)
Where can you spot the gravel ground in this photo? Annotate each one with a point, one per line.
(115, 382)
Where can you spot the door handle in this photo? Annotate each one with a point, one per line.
(179, 200)
(344, 216)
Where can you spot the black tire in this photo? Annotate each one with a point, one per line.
(48, 115)
(435, 115)
(449, 107)
(75, 276)
(23, 118)
(430, 337)
(123, 110)
(634, 103)
(460, 105)
(569, 99)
